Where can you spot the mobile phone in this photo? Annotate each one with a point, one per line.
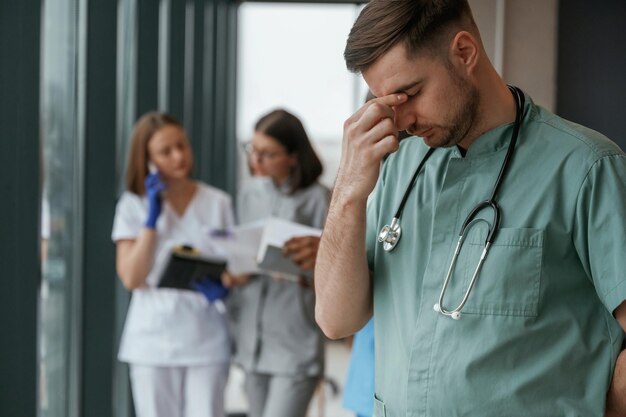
(152, 167)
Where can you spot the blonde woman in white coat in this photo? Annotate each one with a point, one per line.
(176, 341)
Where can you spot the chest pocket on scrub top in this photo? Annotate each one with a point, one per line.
(509, 282)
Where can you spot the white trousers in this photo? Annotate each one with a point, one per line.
(179, 391)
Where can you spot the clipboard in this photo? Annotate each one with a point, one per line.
(186, 265)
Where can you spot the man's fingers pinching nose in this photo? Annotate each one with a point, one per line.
(391, 99)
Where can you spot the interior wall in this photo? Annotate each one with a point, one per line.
(523, 35)
(592, 64)
(531, 38)
(19, 183)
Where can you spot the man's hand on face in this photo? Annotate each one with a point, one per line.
(368, 135)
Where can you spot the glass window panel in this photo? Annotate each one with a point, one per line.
(126, 82)
(286, 60)
(127, 33)
(58, 147)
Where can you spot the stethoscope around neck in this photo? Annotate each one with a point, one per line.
(390, 234)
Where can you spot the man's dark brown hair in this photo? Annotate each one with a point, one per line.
(421, 24)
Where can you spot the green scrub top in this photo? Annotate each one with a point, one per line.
(537, 336)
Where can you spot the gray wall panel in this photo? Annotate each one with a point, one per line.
(592, 65)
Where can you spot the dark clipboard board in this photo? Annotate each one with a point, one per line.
(186, 265)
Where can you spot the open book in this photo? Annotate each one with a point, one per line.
(257, 247)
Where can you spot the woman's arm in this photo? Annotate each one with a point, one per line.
(134, 258)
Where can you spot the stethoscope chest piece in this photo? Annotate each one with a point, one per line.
(390, 235)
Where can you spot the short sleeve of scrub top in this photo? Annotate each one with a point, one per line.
(600, 228)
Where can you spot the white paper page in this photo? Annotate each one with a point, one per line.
(240, 246)
(278, 231)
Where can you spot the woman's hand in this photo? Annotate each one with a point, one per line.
(154, 187)
(212, 289)
(303, 251)
(230, 280)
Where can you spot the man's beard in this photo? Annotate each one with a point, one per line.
(466, 112)
(465, 118)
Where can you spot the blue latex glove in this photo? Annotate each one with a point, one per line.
(212, 289)
(154, 187)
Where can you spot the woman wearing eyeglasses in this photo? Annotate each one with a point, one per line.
(278, 344)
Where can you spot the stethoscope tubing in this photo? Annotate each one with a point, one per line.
(471, 219)
(405, 197)
(390, 234)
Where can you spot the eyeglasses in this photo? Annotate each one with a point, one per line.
(250, 150)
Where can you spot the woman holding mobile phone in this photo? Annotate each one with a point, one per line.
(176, 341)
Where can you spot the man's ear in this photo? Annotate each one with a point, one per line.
(464, 52)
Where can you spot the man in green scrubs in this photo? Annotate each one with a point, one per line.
(542, 330)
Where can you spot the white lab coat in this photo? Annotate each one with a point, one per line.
(170, 327)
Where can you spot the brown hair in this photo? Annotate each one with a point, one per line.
(287, 130)
(420, 24)
(144, 129)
